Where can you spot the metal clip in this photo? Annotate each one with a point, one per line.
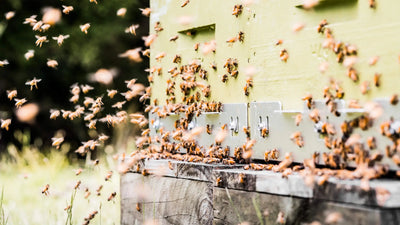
(263, 126)
(234, 125)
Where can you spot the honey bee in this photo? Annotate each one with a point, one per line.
(309, 99)
(11, 94)
(321, 26)
(19, 102)
(40, 40)
(5, 123)
(57, 141)
(132, 29)
(213, 65)
(177, 59)
(246, 130)
(274, 154)
(45, 190)
(28, 55)
(196, 46)
(112, 195)
(9, 15)
(373, 60)
(394, 99)
(242, 178)
(224, 78)
(314, 115)
(298, 119)
(281, 218)
(333, 218)
(240, 36)
(33, 83)
(237, 10)
(108, 175)
(279, 42)
(185, 3)
(144, 172)
(157, 27)
(352, 74)
(372, 4)
(87, 194)
(174, 38)
(145, 11)
(218, 182)
(298, 27)
(232, 40)
(85, 27)
(121, 12)
(52, 63)
(138, 207)
(246, 90)
(371, 143)
(264, 132)
(365, 87)
(60, 38)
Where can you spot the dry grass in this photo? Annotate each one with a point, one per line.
(23, 175)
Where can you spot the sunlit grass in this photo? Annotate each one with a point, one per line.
(24, 174)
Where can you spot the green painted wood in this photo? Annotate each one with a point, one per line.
(373, 31)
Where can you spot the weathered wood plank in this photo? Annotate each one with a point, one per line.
(234, 206)
(166, 200)
(345, 191)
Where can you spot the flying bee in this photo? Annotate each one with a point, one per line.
(52, 63)
(57, 141)
(138, 207)
(177, 59)
(132, 29)
(232, 40)
(78, 171)
(5, 123)
(284, 55)
(4, 62)
(33, 83)
(377, 77)
(45, 190)
(9, 15)
(19, 102)
(11, 94)
(279, 42)
(160, 56)
(145, 11)
(54, 113)
(67, 9)
(372, 4)
(85, 27)
(28, 55)
(314, 115)
(40, 40)
(118, 105)
(352, 74)
(108, 175)
(121, 12)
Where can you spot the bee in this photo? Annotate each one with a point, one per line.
(60, 38)
(242, 178)
(11, 94)
(298, 119)
(232, 40)
(33, 83)
(352, 74)
(108, 175)
(9, 15)
(157, 27)
(103, 137)
(224, 78)
(177, 59)
(372, 4)
(57, 141)
(40, 40)
(298, 27)
(5, 123)
(145, 11)
(279, 42)
(373, 60)
(196, 46)
(4, 62)
(174, 38)
(213, 65)
(87, 194)
(45, 190)
(132, 29)
(284, 55)
(333, 218)
(112, 195)
(274, 154)
(371, 143)
(85, 27)
(314, 115)
(220, 136)
(218, 182)
(377, 77)
(144, 172)
(237, 10)
(394, 99)
(78, 171)
(321, 26)
(121, 12)
(52, 63)
(264, 132)
(281, 218)
(246, 130)
(28, 55)
(118, 105)
(185, 3)
(266, 155)
(138, 207)
(246, 90)
(19, 102)
(365, 87)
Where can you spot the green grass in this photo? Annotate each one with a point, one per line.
(24, 174)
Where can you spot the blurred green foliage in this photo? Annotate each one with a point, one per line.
(79, 56)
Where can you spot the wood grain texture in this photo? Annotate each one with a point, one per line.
(234, 206)
(165, 200)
